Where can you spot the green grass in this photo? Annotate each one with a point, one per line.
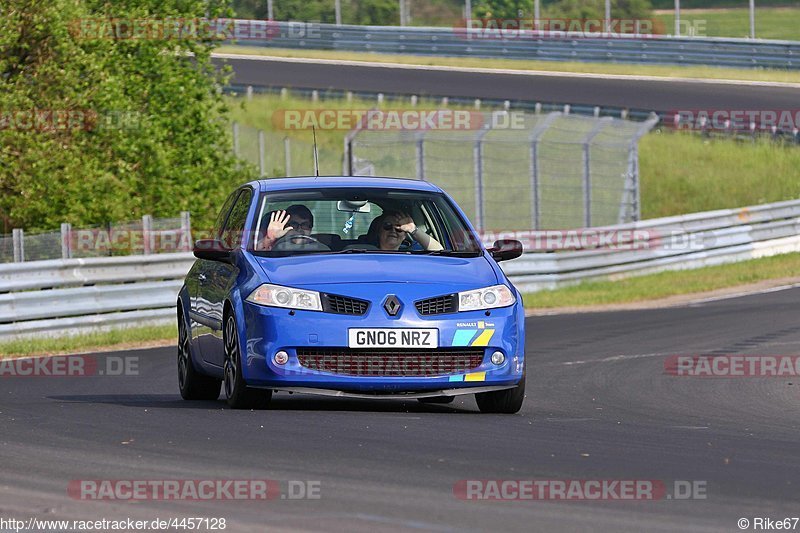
(684, 173)
(771, 22)
(701, 72)
(87, 341)
(665, 284)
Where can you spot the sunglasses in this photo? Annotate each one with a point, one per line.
(388, 225)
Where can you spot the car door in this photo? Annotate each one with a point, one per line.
(222, 276)
(201, 311)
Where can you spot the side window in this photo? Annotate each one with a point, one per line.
(237, 220)
(223, 215)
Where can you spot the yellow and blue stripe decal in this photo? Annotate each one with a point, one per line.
(474, 376)
(479, 336)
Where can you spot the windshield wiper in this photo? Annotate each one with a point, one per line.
(351, 251)
(450, 253)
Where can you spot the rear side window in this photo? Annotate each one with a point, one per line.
(234, 228)
(223, 215)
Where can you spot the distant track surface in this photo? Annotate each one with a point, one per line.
(599, 406)
(659, 96)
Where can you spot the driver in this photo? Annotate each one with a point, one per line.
(390, 229)
(299, 218)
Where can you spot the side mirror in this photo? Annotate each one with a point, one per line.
(212, 250)
(506, 249)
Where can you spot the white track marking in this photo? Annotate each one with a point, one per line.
(742, 294)
(616, 358)
(515, 72)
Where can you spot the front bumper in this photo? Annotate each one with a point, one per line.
(268, 330)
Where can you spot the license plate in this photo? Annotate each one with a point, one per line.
(393, 338)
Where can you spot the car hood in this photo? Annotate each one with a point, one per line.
(312, 271)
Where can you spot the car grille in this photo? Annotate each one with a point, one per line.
(342, 305)
(438, 305)
(389, 362)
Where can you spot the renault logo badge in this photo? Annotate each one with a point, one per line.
(392, 305)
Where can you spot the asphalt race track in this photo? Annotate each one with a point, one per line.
(599, 406)
(659, 96)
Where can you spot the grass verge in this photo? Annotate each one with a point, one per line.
(666, 284)
(98, 341)
(771, 22)
(698, 72)
(686, 173)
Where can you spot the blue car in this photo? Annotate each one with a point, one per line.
(348, 286)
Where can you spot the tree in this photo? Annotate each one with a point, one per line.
(502, 9)
(122, 126)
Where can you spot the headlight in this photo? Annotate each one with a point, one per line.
(488, 298)
(288, 297)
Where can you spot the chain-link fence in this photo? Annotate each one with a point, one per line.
(139, 237)
(551, 170)
(276, 155)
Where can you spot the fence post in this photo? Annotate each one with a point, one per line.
(535, 138)
(147, 228)
(249, 92)
(287, 156)
(587, 186)
(534, 169)
(587, 172)
(477, 161)
(66, 240)
(186, 243)
(18, 240)
(347, 165)
(646, 126)
(420, 156)
(235, 129)
(261, 162)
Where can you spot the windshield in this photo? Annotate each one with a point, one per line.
(348, 220)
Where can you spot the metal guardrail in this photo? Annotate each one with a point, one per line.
(642, 49)
(674, 243)
(75, 295)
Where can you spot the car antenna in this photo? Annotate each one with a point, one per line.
(316, 156)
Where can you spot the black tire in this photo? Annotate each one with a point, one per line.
(508, 401)
(437, 399)
(192, 384)
(239, 395)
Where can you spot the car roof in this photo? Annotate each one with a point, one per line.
(330, 182)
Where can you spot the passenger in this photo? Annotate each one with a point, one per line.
(300, 221)
(389, 230)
